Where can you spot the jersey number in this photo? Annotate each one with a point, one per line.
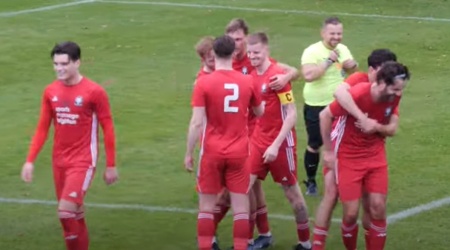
(229, 98)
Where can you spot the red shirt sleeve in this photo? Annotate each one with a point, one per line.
(336, 109)
(102, 109)
(356, 78)
(256, 97)
(198, 95)
(40, 135)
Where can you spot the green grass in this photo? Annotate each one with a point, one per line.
(147, 53)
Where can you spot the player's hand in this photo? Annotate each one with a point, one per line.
(329, 159)
(270, 154)
(27, 172)
(334, 55)
(189, 163)
(110, 175)
(278, 81)
(367, 125)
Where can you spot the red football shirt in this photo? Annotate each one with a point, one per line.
(226, 96)
(75, 111)
(201, 73)
(352, 143)
(269, 125)
(357, 77)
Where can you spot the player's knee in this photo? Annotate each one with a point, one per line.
(377, 209)
(65, 205)
(240, 203)
(294, 195)
(207, 202)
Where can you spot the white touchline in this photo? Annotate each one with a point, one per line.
(298, 12)
(140, 207)
(393, 218)
(45, 8)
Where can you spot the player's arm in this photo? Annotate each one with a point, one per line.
(195, 128)
(103, 112)
(256, 102)
(41, 132)
(345, 99)
(287, 100)
(389, 129)
(326, 117)
(292, 73)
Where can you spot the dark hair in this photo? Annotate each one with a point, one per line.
(224, 46)
(69, 48)
(331, 20)
(235, 25)
(259, 37)
(380, 56)
(391, 71)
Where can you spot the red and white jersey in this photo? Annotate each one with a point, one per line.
(351, 142)
(75, 111)
(352, 80)
(226, 96)
(269, 125)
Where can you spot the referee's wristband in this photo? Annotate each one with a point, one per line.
(329, 62)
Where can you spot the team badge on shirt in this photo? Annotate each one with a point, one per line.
(244, 70)
(388, 112)
(78, 101)
(264, 88)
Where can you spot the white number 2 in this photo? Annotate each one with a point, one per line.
(229, 98)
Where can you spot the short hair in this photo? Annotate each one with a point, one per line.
(204, 46)
(258, 37)
(380, 56)
(69, 48)
(331, 20)
(235, 25)
(391, 71)
(224, 46)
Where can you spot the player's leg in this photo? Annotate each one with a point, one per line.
(222, 206)
(265, 238)
(284, 172)
(325, 210)
(312, 156)
(210, 184)
(376, 185)
(365, 218)
(259, 172)
(349, 183)
(70, 208)
(237, 181)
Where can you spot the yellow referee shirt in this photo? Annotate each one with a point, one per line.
(320, 92)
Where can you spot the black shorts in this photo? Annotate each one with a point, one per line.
(312, 124)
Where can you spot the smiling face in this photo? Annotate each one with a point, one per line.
(64, 67)
(332, 34)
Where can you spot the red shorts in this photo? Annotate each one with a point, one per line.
(72, 183)
(216, 173)
(283, 169)
(352, 182)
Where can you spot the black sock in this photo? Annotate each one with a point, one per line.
(311, 165)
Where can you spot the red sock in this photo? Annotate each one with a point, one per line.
(349, 235)
(70, 227)
(262, 221)
(319, 238)
(219, 213)
(367, 237)
(303, 231)
(83, 237)
(205, 230)
(377, 233)
(252, 221)
(241, 227)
